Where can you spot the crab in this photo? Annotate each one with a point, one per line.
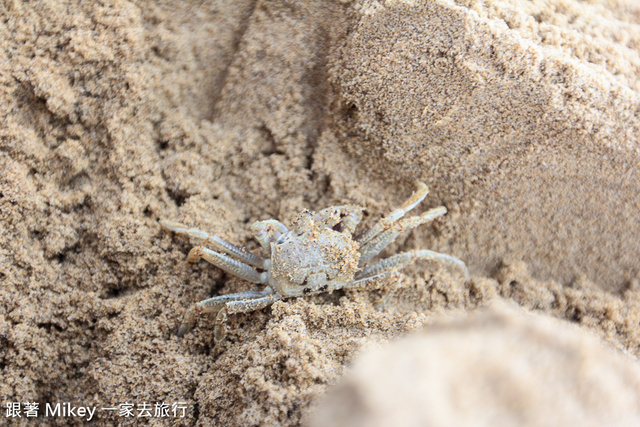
(319, 254)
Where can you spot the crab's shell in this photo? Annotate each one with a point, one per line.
(310, 262)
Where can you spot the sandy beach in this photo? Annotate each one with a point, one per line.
(522, 117)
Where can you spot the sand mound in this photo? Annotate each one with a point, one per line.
(501, 368)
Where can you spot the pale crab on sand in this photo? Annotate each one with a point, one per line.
(319, 254)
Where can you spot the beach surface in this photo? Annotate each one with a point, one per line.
(522, 117)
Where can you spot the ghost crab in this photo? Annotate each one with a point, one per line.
(319, 254)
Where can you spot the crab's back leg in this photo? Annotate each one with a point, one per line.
(215, 241)
(213, 305)
(402, 260)
(241, 306)
(366, 282)
(228, 264)
(378, 243)
(398, 213)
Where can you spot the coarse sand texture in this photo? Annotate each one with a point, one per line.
(522, 117)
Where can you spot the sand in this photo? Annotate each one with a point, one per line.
(498, 367)
(522, 118)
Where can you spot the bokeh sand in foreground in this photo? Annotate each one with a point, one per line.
(522, 117)
(497, 367)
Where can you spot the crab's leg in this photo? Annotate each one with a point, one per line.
(378, 243)
(266, 232)
(402, 260)
(215, 241)
(242, 306)
(367, 281)
(398, 213)
(228, 264)
(213, 305)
